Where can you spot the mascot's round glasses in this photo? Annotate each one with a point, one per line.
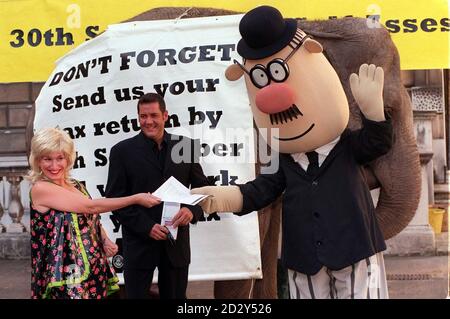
(277, 70)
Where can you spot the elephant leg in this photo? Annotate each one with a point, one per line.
(269, 225)
(232, 289)
(266, 288)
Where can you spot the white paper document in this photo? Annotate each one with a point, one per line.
(169, 211)
(175, 192)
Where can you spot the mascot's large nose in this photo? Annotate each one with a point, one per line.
(276, 97)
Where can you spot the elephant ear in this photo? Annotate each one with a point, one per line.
(348, 43)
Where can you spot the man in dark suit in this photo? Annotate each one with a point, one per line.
(142, 164)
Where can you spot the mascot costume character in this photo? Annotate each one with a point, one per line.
(332, 243)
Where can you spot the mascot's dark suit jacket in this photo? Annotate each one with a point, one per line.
(134, 168)
(328, 219)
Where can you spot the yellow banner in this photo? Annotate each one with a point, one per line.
(35, 33)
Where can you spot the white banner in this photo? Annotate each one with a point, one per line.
(93, 93)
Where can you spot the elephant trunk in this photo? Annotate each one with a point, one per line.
(398, 173)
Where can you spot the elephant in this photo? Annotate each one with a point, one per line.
(348, 43)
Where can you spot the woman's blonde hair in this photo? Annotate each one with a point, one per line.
(46, 141)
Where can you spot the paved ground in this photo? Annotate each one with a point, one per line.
(14, 279)
(418, 277)
(408, 277)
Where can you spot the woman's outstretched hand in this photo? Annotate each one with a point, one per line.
(147, 200)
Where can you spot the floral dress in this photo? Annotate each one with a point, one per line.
(67, 256)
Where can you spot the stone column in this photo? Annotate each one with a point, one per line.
(15, 243)
(2, 227)
(15, 208)
(418, 237)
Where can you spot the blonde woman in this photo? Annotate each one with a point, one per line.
(69, 248)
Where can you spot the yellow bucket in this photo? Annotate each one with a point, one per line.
(435, 217)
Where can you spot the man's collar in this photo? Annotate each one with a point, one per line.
(323, 152)
(326, 149)
(165, 140)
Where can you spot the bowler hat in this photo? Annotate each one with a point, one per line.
(264, 32)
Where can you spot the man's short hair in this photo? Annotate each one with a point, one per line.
(151, 98)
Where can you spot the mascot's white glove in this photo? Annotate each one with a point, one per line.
(367, 89)
(222, 199)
